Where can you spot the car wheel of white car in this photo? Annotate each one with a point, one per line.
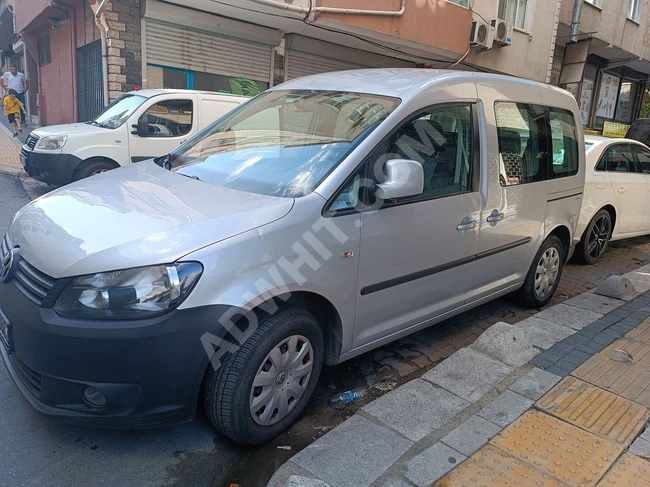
(596, 238)
(544, 275)
(92, 168)
(261, 389)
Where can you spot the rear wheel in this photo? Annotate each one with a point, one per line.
(596, 238)
(261, 389)
(543, 276)
(92, 168)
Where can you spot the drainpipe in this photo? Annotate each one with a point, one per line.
(333, 10)
(72, 15)
(575, 21)
(103, 30)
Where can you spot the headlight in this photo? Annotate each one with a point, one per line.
(53, 142)
(136, 293)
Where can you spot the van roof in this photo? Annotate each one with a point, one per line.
(397, 82)
(148, 93)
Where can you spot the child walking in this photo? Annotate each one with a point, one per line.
(13, 107)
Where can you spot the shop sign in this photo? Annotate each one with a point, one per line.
(615, 130)
(608, 95)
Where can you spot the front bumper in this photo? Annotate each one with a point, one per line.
(51, 168)
(150, 371)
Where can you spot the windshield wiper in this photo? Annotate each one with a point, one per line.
(192, 176)
(92, 122)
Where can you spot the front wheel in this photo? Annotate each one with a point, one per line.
(261, 389)
(543, 276)
(92, 168)
(596, 238)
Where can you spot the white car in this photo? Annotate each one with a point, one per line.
(615, 203)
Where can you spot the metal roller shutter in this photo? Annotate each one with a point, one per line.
(303, 64)
(180, 47)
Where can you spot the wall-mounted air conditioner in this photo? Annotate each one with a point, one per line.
(482, 35)
(502, 32)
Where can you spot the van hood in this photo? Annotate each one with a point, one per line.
(134, 216)
(68, 129)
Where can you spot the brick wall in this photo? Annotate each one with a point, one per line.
(123, 42)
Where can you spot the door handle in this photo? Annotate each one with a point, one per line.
(467, 224)
(495, 217)
(622, 190)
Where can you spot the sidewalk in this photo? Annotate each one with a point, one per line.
(560, 399)
(10, 153)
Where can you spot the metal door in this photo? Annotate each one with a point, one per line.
(90, 92)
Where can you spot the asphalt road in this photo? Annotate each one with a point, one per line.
(35, 451)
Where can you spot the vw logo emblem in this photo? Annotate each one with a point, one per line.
(7, 265)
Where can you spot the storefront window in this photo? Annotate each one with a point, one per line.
(645, 105)
(625, 102)
(175, 79)
(608, 94)
(586, 98)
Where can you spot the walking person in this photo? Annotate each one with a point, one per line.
(13, 109)
(14, 80)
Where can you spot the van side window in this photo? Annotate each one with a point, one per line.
(170, 118)
(643, 158)
(522, 134)
(565, 144)
(441, 140)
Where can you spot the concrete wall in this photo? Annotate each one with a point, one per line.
(611, 24)
(530, 52)
(433, 22)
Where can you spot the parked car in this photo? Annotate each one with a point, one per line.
(139, 125)
(328, 216)
(640, 131)
(616, 203)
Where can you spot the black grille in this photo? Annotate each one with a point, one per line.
(31, 282)
(31, 141)
(29, 377)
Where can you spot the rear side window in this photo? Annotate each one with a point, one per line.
(643, 158)
(618, 158)
(536, 143)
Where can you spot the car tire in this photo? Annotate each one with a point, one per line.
(231, 393)
(92, 168)
(595, 240)
(544, 274)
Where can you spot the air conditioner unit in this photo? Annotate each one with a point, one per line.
(482, 35)
(502, 32)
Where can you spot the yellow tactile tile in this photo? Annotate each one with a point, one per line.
(558, 448)
(596, 410)
(628, 471)
(491, 467)
(639, 352)
(9, 151)
(627, 379)
(641, 332)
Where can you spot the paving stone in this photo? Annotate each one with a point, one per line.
(544, 334)
(506, 343)
(433, 463)
(571, 316)
(535, 384)
(646, 434)
(594, 302)
(353, 454)
(298, 481)
(641, 448)
(640, 278)
(416, 409)
(507, 407)
(628, 471)
(617, 287)
(471, 435)
(560, 371)
(403, 368)
(468, 374)
(396, 483)
(542, 361)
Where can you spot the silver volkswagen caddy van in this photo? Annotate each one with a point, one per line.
(326, 217)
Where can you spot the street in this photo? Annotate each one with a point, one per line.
(39, 451)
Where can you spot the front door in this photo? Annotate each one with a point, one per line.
(629, 185)
(415, 253)
(168, 123)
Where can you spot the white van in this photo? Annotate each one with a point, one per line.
(139, 125)
(328, 216)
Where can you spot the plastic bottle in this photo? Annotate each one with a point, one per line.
(347, 397)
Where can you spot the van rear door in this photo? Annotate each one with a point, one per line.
(211, 108)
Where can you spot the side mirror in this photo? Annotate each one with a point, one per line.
(141, 128)
(403, 178)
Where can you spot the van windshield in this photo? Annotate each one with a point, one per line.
(118, 112)
(282, 143)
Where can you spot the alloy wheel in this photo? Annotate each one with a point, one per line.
(281, 380)
(599, 236)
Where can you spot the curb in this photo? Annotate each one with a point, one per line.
(419, 432)
(13, 171)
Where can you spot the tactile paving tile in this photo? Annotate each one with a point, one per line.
(491, 467)
(596, 410)
(629, 471)
(626, 379)
(558, 448)
(639, 352)
(641, 332)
